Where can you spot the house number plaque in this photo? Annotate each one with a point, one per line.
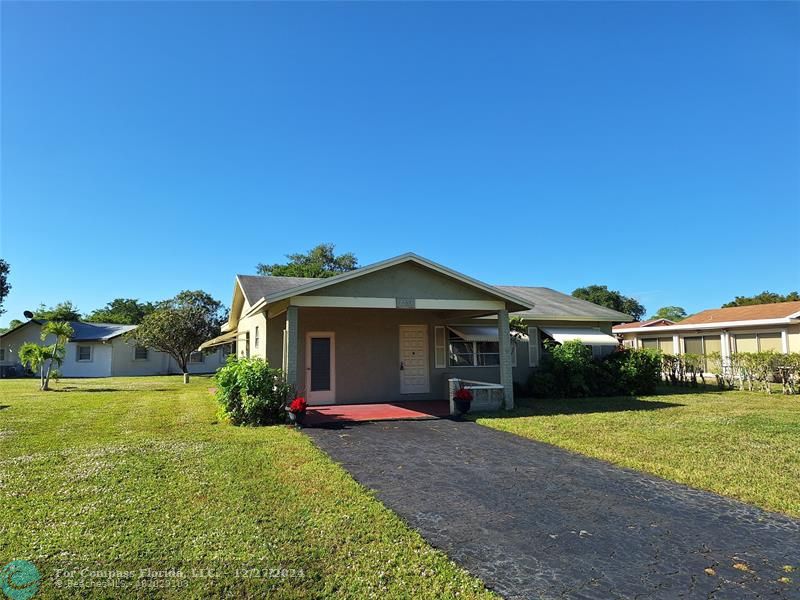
(406, 303)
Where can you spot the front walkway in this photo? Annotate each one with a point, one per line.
(535, 521)
(336, 414)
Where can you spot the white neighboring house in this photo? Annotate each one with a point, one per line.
(101, 350)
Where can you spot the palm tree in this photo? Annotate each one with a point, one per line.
(62, 332)
(34, 357)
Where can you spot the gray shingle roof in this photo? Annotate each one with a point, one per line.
(86, 332)
(549, 303)
(256, 287)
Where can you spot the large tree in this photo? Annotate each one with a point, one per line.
(601, 295)
(122, 311)
(764, 297)
(179, 325)
(63, 311)
(673, 313)
(320, 261)
(5, 287)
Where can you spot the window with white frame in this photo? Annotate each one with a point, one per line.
(140, 353)
(472, 354)
(84, 353)
(196, 357)
(256, 338)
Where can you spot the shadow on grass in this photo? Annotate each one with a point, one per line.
(529, 407)
(2, 406)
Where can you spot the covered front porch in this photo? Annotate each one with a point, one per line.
(349, 356)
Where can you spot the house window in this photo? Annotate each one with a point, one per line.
(255, 338)
(2, 354)
(196, 357)
(225, 351)
(140, 353)
(472, 354)
(84, 353)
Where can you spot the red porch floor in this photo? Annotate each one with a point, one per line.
(349, 413)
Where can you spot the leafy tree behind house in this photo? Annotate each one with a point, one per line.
(320, 261)
(5, 287)
(673, 313)
(764, 297)
(179, 325)
(602, 296)
(63, 311)
(122, 311)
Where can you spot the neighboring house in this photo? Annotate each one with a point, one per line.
(401, 328)
(100, 350)
(755, 328)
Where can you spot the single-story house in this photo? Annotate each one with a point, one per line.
(402, 328)
(101, 350)
(755, 328)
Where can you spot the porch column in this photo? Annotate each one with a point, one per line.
(506, 376)
(291, 346)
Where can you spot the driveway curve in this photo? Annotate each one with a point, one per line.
(535, 521)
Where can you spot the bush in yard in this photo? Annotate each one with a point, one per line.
(631, 372)
(568, 371)
(249, 392)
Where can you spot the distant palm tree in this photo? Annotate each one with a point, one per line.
(35, 357)
(62, 331)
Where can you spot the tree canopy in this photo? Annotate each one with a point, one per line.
(5, 287)
(673, 313)
(320, 261)
(63, 311)
(602, 296)
(764, 297)
(178, 326)
(122, 311)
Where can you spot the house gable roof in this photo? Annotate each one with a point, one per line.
(755, 312)
(256, 287)
(83, 331)
(517, 302)
(550, 304)
(637, 324)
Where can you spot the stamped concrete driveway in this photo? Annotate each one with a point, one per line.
(535, 521)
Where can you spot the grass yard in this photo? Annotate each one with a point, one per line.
(132, 473)
(740, 444)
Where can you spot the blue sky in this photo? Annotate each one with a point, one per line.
(152, 147)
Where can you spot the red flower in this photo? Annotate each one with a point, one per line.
(463, 394)
(298, 405)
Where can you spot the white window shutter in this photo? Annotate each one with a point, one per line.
(533, 346)
(440, 347)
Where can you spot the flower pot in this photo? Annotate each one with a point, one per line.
(462, 406)
(296, 418)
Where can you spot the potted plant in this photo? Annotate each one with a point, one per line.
(462, 400)
(297, 410)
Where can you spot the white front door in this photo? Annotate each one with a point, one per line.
(320, 367)
(414, 359)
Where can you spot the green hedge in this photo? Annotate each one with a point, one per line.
(568, 371)
(249, 392)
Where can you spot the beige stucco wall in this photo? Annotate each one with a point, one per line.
(793, 334)
(249, 324)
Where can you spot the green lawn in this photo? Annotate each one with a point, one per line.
(741, 444)
(137, 472)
